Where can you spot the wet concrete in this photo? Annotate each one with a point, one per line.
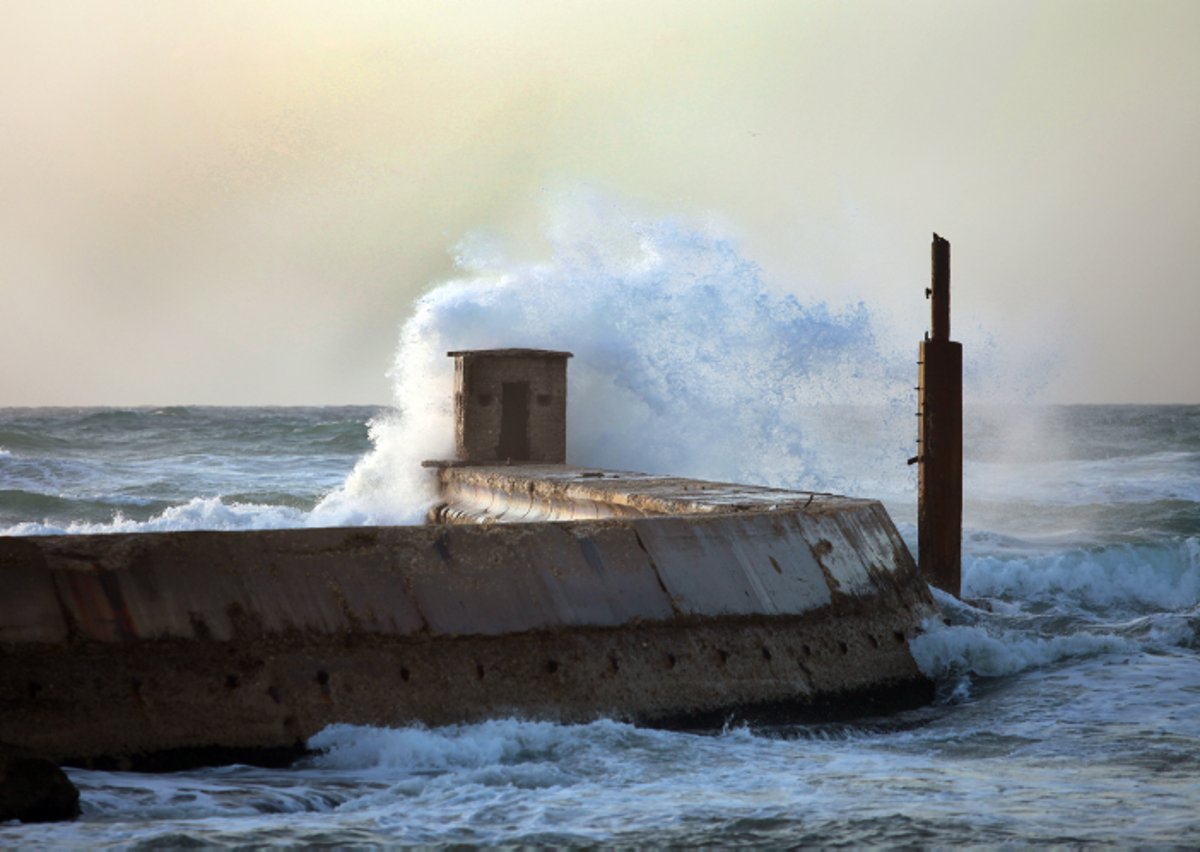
(127, 649)
(475, 493)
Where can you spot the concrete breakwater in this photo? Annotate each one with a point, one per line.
(684, 602)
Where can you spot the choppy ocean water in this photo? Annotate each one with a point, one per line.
(1067, 709)
(1068, 714)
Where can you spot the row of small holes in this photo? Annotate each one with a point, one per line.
(232, 681)
(552, 666)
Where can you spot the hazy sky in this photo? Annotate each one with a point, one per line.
(208, 202)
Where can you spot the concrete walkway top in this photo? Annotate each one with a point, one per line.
(508, 493)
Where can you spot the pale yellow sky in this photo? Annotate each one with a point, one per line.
(214, 202)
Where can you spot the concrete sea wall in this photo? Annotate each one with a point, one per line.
(161, 649)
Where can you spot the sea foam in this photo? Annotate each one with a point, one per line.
(199, 513)
(1156, 575)
(483, 744)
(945, 650)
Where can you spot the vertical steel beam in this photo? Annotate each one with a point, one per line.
(939, 481)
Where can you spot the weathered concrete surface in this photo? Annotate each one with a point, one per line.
(130, 647)
(525, 493)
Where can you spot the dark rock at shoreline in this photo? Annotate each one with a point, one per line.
(34, 789)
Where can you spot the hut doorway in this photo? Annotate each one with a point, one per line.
(514, 422)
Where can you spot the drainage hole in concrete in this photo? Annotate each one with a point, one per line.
(670, 661)
(843, 647)
(322, 677)
(551, 666)
(722, 655)
(766, 652)
(807, 650)
(232, 681)
(403, 674)
(479, 670)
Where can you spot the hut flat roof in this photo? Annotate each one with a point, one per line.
(509, 353)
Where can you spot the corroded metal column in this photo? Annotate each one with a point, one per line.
(939, 489)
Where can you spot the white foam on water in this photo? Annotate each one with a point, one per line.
(199, 513)
(417, 749)
(942, 651)
(1162, 575)
(536, 783)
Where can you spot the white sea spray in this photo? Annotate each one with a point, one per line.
(686, 361)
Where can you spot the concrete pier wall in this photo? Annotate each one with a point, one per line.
(135, 647)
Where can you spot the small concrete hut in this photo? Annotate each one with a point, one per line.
(510, 405)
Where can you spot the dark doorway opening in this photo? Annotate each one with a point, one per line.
(514, 422)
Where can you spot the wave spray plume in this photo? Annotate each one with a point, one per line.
(686, 362)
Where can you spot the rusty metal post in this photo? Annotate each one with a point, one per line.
(939, 438)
